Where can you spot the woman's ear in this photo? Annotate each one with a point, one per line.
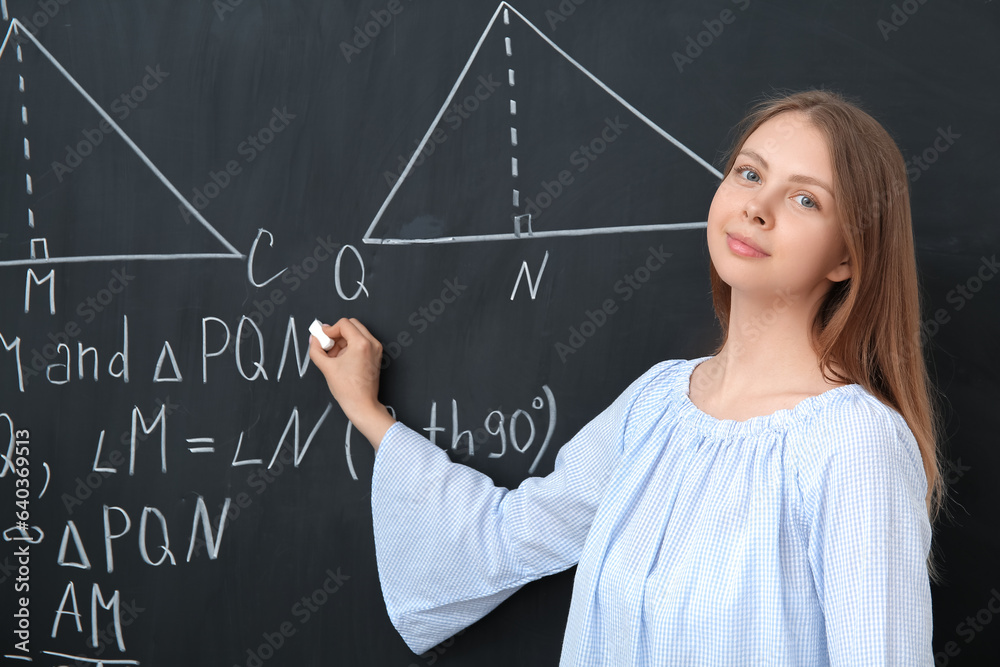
(842, 271)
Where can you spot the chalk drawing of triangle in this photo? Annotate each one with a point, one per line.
(514, 222)
(11, 42)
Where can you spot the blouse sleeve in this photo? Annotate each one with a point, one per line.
(450, 546)
(868, 538)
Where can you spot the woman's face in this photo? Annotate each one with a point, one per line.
(773, 225)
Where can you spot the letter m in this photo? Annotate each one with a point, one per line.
(16, 346)
(113, 605)
(137, 423)
(32, 277)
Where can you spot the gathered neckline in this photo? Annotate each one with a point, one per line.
(779, 420)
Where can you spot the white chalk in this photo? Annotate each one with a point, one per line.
(316, 329)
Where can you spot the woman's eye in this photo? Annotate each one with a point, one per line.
(807, 201)
(749, 174)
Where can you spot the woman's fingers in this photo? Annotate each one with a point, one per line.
(345, 330)
(351, 368)
(320, 357)
(352, 342)
(364, 331)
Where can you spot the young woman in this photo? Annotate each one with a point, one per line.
(767, 505)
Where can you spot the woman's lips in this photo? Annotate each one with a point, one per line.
(743, 246)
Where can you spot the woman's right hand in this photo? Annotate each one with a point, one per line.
(351, 368)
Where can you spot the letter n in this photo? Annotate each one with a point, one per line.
(201, 516)
(532, 286)
(293, 421)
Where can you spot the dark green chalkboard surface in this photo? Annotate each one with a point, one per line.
(511, 196)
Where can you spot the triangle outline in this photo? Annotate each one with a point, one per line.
(167, 354)
(18, 28)
(369, 239)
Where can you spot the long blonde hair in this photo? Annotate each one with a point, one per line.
(868, 325)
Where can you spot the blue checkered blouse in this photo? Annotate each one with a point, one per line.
(795, 538)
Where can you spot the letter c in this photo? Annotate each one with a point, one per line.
(253, 252)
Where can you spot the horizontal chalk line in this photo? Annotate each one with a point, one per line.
(104, 258)
(95, 661)
(542, 234)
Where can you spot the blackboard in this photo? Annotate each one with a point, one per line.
(508, 194)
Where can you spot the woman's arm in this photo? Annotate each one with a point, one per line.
(868, 538)
(450, 545)
(351, 368)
